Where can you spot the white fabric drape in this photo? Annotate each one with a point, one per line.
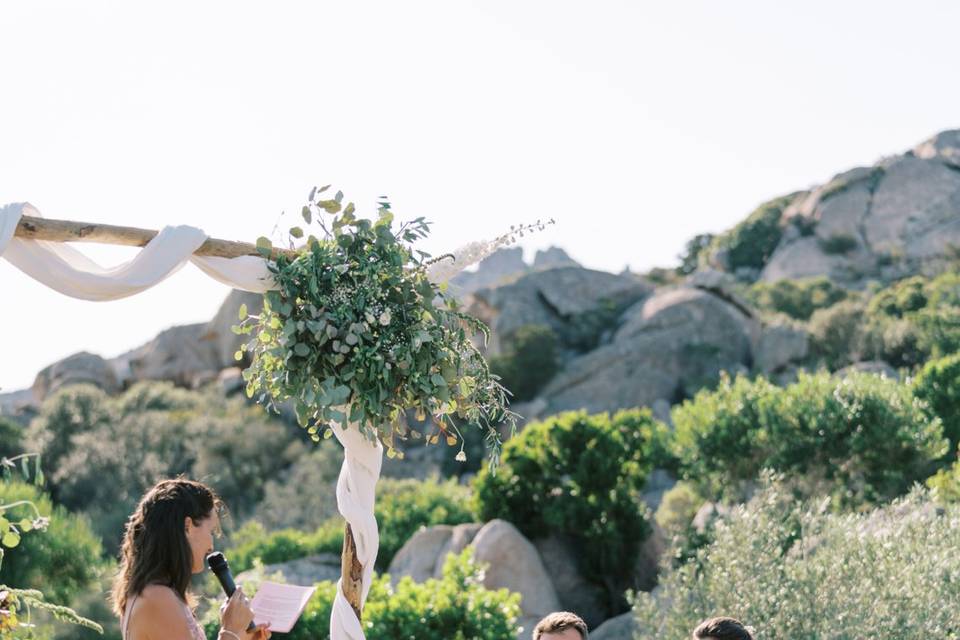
(64, 269)
(355, 500)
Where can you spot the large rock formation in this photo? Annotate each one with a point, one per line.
(666, 347)
(894, 218)
(183, 355)
(79, 368)
(512, 563)
(566, 299)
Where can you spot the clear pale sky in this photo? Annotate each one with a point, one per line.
(635, 124)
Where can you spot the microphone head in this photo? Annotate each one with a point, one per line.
(217, 562)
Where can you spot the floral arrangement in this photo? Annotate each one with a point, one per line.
(361, 329)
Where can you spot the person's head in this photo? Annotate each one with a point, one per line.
(166, 539)
(561, 625)
(722, 628)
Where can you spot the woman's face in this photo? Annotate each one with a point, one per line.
(200, 536)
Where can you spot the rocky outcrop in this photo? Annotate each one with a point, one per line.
(495, 269)
(779, 346)
(553, 258)
(512, 562)
(666, 346)
(882, 221)
(183, 355)
(621, 627)
(565, 299)
(80, 368)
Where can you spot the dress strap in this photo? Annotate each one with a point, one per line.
(126, 618)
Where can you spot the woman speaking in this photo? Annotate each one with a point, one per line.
(166, 540)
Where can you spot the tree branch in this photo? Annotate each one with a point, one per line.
(32, 228)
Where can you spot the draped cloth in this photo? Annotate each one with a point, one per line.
(65, 269)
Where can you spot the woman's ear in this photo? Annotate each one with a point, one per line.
(187, 524)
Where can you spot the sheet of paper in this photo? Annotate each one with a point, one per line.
(280, 605)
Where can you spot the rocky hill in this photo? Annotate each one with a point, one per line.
(622, 340)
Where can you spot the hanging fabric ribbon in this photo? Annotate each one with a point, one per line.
(64, 269)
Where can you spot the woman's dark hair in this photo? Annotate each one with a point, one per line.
(155, 549)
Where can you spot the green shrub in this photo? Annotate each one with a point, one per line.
(287, 505)
(11, 438)
(455, 607)
(106, 452)
(838, 244)
(796, 298)
(63, 416)
(862, 438)
(938, 384)
(792, 570)
(690, 258)
(836, 333)
(402, 508)
(405, 506)
(531, 362)
(914, 320)
(579, 475)
(751, 243)
(945, 484)
(63, 561)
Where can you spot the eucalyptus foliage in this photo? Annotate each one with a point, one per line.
(356, 333)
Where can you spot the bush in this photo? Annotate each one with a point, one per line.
(579, 475)
(106, 452)
(914, 320)
(862, 438)
(531, 362)
(64, 415)
(63, 561)
(11, 438)
(287, 504)
(690, 258)
(796, 298)
(836, 333)
(751, 243)
(792, 571)
(455, 607)
(938, 384)
(402, 508)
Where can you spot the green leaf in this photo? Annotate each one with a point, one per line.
(10, 539)
(264, 246)
(243, 311)
(26, 524)
(296, 232)
(301, 349)
(307, 215)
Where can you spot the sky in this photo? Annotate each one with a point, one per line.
(636, 125)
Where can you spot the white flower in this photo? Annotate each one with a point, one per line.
(461, 457)
(385, 318)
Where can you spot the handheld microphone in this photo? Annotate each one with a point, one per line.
(218, 564)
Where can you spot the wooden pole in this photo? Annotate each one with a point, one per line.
(32, 228)
(351, 573)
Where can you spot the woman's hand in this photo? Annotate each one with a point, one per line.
(237, 615)
(262, 632)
